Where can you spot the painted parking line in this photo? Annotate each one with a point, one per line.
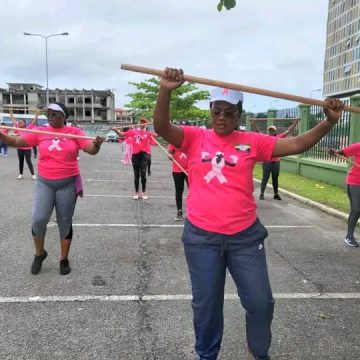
(178, 297)
(131, 196)
(130, 172)
(127, 180)
(52, 224)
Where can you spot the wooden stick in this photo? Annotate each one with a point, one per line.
(274, 118)
(249, 89)
(55, 134)
(353, 163)
(170, 156)
(148, 123)
(132, 125)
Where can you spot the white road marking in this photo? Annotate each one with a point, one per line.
(52, 224)
(131, 172)
(179, 297)
(131, 196)
(124, 180)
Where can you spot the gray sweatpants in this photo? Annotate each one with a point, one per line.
(48, 194)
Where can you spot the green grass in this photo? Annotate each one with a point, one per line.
(329, 195)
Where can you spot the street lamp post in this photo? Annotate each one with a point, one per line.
(272, 102)
(46, 57)
(312, 91)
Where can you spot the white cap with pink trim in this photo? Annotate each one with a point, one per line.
(228, 95)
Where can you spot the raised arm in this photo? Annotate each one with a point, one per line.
(298, 144)
(120, 133)
(35, 119)
(256, 128)
(290, 128)
(12, 117)
(172, 79)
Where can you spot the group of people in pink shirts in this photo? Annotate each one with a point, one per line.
(222, 230)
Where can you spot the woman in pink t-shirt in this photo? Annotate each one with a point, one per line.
(222, 230)
(353, 190)
(24, 152)
(179, 177)
(141, 142)
(273, 166)
(58, 183)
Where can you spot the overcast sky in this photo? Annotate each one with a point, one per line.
(277, 45)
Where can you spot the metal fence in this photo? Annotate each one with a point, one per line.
(337, 138)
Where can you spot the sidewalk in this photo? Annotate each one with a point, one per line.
(306, 201)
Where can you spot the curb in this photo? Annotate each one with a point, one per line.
(324, 208)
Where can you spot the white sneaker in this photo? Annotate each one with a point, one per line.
(33, 177)
(144, 196)
(20, 177)
(136, 197)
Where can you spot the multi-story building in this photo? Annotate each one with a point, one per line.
(342, 56)
(124, 116)
(85, 106)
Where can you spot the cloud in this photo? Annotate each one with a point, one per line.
(277, 44)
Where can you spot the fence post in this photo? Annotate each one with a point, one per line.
(303, 126)
(248, 116)
(354, 135)
(304, 114)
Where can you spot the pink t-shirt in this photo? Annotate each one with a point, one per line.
(280, 136)
(353, 176)
(180, 157)
(58, 155)
(141, 140)
(220, 172)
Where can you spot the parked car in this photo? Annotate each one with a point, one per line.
(111, 136)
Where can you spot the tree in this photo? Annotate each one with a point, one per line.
(228, 4)
(183, 100)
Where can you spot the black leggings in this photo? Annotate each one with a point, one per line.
(354, 197)
(273, 168)
(179, 180)
(27, 155)
(148, 160)
(139, 162)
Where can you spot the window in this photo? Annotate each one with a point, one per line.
(87, 112)
(347, 69)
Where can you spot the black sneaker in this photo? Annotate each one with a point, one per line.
(277, 197)
(64, 267)
(149, 172)
(179, 216)
(37, 263)
(261, 197)
(350, 240)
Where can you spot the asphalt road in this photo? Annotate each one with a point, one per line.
(128, 295)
